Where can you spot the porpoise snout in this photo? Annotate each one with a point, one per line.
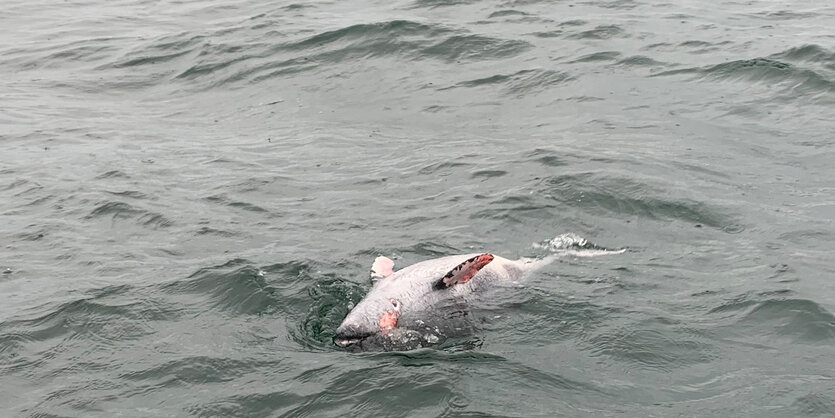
(350, 334)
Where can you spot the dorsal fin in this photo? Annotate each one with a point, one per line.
(382, 268)
(463, 272)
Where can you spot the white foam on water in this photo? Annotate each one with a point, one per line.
(591, 253)
(571, 244)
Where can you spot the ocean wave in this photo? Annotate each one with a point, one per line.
(767, 317)
(398, 38)
(606, 195)
(809, 53)
(118, 210)
(109, 317)
(236, 286)
(764, 71)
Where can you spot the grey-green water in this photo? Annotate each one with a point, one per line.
(193, 193)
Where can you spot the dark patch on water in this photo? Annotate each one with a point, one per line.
(640, 61)
(597, 56)
(599, 33)
(442, 3)
(489, 173)
(505, 13)
(331, 300)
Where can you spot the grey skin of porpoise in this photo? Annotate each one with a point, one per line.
(425, 302)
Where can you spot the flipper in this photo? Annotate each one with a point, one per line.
(382, 268)
(463, 272)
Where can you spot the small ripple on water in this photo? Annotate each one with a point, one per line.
(766, 315)
(640, 61)
(251, 404)
(443, 168)
(117, 210)
(816, 404)
(431, 4)
(237, 287)
(113, 174)
(520, 83)
(599, 33)
(661, 349)
(365, 32)
(597, 56)
(195, 370)
(506, 13)
(604, 195)
(475, 48)
(111, 317)
(223, 199)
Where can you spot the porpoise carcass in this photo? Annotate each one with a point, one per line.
(426, 302)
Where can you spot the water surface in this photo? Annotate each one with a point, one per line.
(193, 193)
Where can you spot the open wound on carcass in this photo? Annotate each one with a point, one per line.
(389, 319)
(463, 272)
